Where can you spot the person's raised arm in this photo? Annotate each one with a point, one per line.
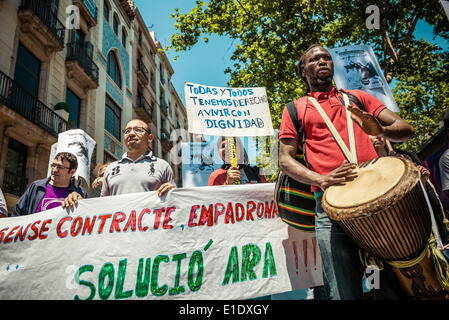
(387, 124)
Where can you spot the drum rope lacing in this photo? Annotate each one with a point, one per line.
(440, 263)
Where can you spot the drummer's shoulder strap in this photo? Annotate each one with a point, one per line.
(354, 100)
(298, 122)
(300, 108)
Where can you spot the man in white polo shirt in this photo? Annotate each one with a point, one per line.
(138, 170)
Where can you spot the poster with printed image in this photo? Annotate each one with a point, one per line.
(200, 159)
(221, 111)
(356, 67)
(80, 144)
(445, 5)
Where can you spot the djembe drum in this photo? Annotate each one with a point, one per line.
(385, 213)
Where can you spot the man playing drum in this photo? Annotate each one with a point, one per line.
(324, 123)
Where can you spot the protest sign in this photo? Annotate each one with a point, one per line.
(199, 160)
(221, 111)
(79, 143)
(222, 242)
(445, 5)
(356, 67)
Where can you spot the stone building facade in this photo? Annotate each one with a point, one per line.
(155, 98)
(70, 64)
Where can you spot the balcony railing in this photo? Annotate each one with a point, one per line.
(143, 103)
(166, 138)
(90, 5)
(164, 106)
(43, 10)
(77, 51)
(164, 130)
(18, 99)
(13, 184)
(141, 67)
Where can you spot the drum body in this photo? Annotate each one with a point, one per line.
(419, 280)
(383, 209)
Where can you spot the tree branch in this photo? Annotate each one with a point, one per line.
(411, 28)
(384, 32)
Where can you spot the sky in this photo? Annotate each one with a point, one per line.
(205, 63)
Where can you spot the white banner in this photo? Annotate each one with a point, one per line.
(221, 111)
(79, 143)
(193, 244)
(356, 67)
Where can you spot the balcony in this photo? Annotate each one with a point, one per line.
(129, 7)
(144, 108)
(88, 11)
(142, 72)
(41, 25)
(19, 100)
(13, 183)
(164, 107)
(165, 140)
(80, 65)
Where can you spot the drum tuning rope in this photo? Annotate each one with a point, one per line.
(443, 212)
(440, 263)
(410, 263)
(369, 260)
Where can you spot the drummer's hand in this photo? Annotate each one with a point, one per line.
(71, 200)
(233, 174)
(339, 175)
(366, 121)
(425, 174)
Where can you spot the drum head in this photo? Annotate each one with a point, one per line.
(374, 179)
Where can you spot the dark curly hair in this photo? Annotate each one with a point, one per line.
(70, 157)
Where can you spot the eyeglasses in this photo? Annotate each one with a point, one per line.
(138, 130)
(57, 166)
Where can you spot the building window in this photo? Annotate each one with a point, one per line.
(161, 70)
(74, 108)
(113, 69)
(108, 158)
(76, 35)
(27, 70)
(139, 95)
(54, 6)
(106, 11)
(113, 118)
(14, 180)
(115, 24)
(124, 38)
(152, 80)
